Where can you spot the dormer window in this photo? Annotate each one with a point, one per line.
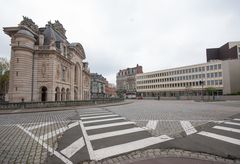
(58, 45)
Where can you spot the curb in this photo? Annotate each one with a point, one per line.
(149, 154)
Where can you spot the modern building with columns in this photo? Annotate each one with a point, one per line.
(222, 76)
(44, 66)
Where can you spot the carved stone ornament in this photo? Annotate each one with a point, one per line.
(58, 27)
(29, 23)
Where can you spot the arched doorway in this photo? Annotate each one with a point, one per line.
(44, 93)
(57, 94)
(68, 94)
(75, 93)
(63, 94)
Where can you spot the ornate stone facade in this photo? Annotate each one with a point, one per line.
(44, 66)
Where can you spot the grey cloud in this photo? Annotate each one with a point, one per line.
(156, 34)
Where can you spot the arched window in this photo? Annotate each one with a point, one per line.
(43, 93)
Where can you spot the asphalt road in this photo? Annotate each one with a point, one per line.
(98, 133)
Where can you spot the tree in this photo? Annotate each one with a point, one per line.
(4, 66)
(121, 93)
(211, 91)
(4, 77)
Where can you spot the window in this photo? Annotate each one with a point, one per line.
(208, 75)
(16, 88)
(215, 67)
(219, 66)
(219, 74)
(216, 82)
(17, 73)
(17, 60)
(208, 82)
(220, 82)
(212, 75)
(216, 74)
(207, 68)
(203, 68)
(211, 67)
(212, 82)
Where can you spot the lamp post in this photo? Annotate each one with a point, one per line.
(202, 83)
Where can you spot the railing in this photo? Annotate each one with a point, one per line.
(49, 104)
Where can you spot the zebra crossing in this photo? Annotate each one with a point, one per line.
(103, 134)
(99, 134)
(228, 132)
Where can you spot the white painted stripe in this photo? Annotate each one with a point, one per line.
(87, 140)
(236, 119)
(109, 125)
(187, 127)
(109, 115)
(115, 133)
(41, 142)
(152, 124)
(221, 137)
(232, 123)
(92, 114)
(73, 148)
(103, 120)
(40, 125)
(130, 146)
(58, 131)
(227, 129)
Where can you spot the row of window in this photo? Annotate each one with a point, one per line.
(183, 71)
(180, 78)
(214, 82)
(214, 74)
(130, 71)
(185, 85)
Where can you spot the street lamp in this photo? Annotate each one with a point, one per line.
(202, 83)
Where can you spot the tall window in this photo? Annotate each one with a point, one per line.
(63, 72)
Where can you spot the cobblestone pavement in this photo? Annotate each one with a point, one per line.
(17, 146)
(168, 114)
(29, 137)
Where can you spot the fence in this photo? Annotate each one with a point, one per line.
(49, 104)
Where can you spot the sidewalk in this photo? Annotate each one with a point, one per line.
(36, 110)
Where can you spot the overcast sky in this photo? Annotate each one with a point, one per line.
(117, 34)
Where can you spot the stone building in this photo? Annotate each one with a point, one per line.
(98, 85)
(86, 82)
(126, 79)
(44, 66)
